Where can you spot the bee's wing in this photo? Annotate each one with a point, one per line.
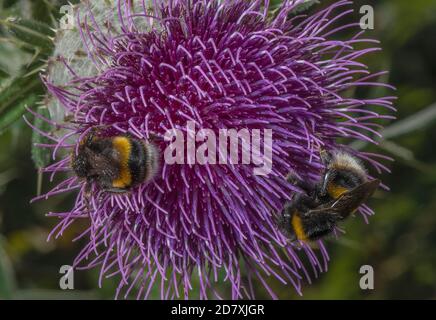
(349, 201)
(324, 209)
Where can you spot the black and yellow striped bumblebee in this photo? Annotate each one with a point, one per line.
(115, 164)
(315, 213)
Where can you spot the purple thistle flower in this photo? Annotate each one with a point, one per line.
(220, 64)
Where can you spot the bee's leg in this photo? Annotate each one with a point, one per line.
(93, 132)
(105, 183)
(87, 194)
(328, 175)
(320, 224)
(90, 136)
(306, 186)
(285, 221)
(116, 190)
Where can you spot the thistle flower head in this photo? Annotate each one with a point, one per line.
(220, 65)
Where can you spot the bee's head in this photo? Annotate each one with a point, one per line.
(80, 164)
(84, 156)
(343, 173)
(284, 222)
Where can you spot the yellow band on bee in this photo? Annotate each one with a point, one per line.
(335, 191)
(297, 225)
(123, 146)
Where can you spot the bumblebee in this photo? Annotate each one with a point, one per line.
(115, 164)
(343, 187)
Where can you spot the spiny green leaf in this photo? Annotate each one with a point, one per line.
(276, 4)
(11, 114)
(31, 32)
(17, 90)
(304, 6)
(18, 43)
(35, 69)
(3, 74)
(36, 65)
(42, 10)
(40, 156)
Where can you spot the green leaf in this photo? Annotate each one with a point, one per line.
(3, 74)
(276, 4)
(304, 6)
(17, 43)
(40, 156)
(414, 122)
(406, 155)
(31, 32)
(11, 114)
(7, 282)
(8, 3)
(42, 10)
(17, 90)
(47, 294)
(36, 64)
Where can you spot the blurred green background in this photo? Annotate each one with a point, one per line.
(399, 242)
